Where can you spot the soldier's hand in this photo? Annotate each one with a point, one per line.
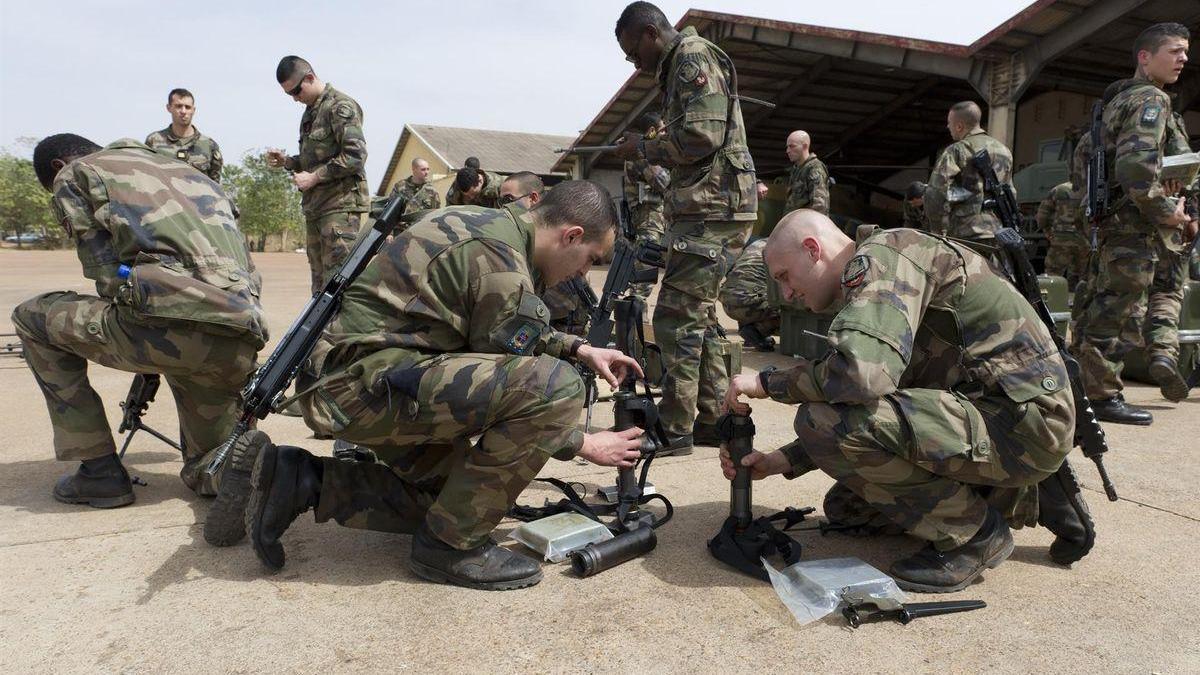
(747, 385)
(612, 448)
(1190, 231)
(1171, 187)
(1180, 216)
(304, 180)
(761, 464)
(610, 364)
(275, 158)
(627, 148)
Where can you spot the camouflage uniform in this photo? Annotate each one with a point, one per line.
(954, 198)
(711, 205)
(1060, 218)
(1136, 285)
(808, 186)
(188, 309)
(914, 217)
(569, 312)
(489, 194)
(744, 294)
(644, 185)
(443, 339)
(939, 377)
(332, 146)
(198, 150)
(420, 197)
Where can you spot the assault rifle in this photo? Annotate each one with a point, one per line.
(1089, 436)
(264, 392)
(13, 348)
(1095, 202)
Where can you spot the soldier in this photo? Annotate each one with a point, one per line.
(914, 206)
(183, 141)
(442, 363)
(475, 187)
(330, 169)
(416, 189)
(1136, 286)
(177, 294)
(1059, 217)
(710, 207)
(645, 184)
(912, 417)
(744, 297)
(954, 197)
(808, 179)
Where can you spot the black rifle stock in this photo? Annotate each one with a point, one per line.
(1089, 436)
(265, 389)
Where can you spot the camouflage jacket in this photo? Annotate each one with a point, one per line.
(914, 217)
(921, 313)
(954, 198)
(489, 194)
(333, 147)
(198, 150)
(808, 186)
(1060, 218)
(1139, 130)
(645, 184)
(704, 146)
(459, 280)
(420, 197)
(172, 228)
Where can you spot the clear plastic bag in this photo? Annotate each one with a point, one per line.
(555, 537)
(812, 589)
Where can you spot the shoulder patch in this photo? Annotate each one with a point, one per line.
(344, 110)
(688, 71)
(856, 271)
(523, 338)
(1150, 113)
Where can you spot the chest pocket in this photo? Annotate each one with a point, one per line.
(320, 144)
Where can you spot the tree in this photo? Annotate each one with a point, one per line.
(24, 205)
(266, 199)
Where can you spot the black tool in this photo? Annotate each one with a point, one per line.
(857, 616)
(137, 401)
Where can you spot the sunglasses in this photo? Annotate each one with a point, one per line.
(508, 199)
(295, 91)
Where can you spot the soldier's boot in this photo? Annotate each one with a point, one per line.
(486, 567)
(286, 482)
(678, 446)
(102, 483)
(932, 571)
(226, 521)
(704, 434)
(852, 515)
(1116, 410)
(1063, 511)
(755, 339)
(1165, 373)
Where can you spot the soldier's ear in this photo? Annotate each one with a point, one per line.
(812, 247)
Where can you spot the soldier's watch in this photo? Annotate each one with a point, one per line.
(573, 350)
(763, 376)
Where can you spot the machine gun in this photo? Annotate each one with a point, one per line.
(137, 401)
(264, 393)
(1095, 202)
(13, 347)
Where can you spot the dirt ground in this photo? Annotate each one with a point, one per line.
(137, 589)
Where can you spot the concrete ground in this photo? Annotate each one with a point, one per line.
(137, 589)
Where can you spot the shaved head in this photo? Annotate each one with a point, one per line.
(963, 118)
(420, 170)
(798, 144)
(806, 254)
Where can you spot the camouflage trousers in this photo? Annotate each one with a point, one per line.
(1132, 299)
(458, 437)
(1068, 259)
(696, 356)
(932, 461)
(744, 293)
(328, 240)
(650, 227)
(63, 331)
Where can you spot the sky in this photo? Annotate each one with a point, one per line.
(103, 69)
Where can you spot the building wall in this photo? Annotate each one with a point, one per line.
(1044, 118)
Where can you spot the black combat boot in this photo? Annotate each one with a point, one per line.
(1165, 373)
(1063, 511)
(932, 571)
(754, 338)
(226, 522)
(704, 434)
(677, 446)
(1116, 410)
(486, 567)
(102, 483)
(286, 482)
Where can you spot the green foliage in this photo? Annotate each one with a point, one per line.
(267, 201)
(24, 204)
